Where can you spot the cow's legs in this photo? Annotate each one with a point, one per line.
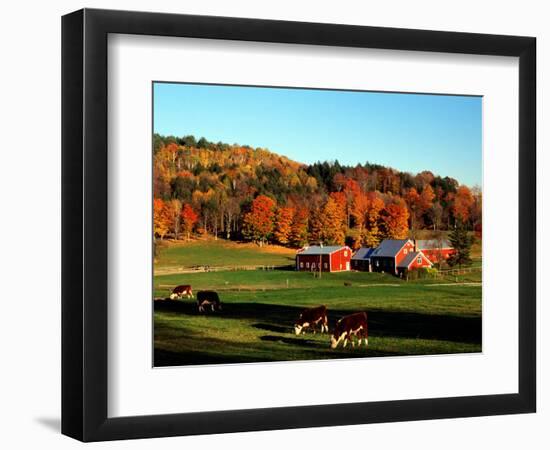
(363, 336)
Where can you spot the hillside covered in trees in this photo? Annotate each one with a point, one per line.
(243, 193)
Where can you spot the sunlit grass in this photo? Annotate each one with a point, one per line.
(422, 317)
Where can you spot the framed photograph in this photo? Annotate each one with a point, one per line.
(273, 224)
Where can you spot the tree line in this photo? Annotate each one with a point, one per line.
(244, 193)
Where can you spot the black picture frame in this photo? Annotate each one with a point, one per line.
(84, 224)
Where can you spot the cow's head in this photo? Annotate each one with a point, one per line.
(300, 325)
(173, 296)
(336, 338)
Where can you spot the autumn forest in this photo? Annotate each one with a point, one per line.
(253, 194)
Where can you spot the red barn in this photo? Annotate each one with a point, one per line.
(413, 260)
(435, 250)
(333, 258)
(397, 256)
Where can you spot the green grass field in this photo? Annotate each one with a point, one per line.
(220, 253)
(260, 307)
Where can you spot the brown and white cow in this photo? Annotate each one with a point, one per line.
(208, 298)
(348, 326)
(181, 290)
(310, 318)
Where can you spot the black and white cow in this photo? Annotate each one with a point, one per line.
(181, 290)
(310, 318)
(208, 298)
(348, 326)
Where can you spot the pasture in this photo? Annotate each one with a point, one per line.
(218, 253)
(436, 316)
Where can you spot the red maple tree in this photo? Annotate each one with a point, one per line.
(188, 219)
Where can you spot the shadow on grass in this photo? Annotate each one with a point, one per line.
(166, 358)
(273, 328)
(281, 318)
(300, 342)
(300, 350)
(179, 346)
(270, 348)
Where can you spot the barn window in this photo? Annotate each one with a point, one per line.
(313, 265)
(326, 265)
(419, 260)
(301, 265)
(405, 251)
(345, 253)
(307, 265)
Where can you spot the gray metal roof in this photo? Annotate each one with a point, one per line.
(432, 244)
(408, 259)
(325, 250)
(389, 247)
(363, 253)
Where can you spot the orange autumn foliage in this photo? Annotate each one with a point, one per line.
(299, 228)
(225, 186)
(283, 225)
(188, 219)
(161, 218)
(395, 217)
(463, 202)
(258, 223)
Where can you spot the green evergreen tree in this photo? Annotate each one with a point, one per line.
(462, 243)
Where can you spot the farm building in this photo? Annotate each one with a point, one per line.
(361, 259)
(434, 249)
(316, 258)
(397, 256)
(413, 260)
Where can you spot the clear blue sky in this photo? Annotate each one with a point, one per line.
(409, 132)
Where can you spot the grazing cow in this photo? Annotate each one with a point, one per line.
(181, 290)
(311, 317)
(205, 298)
(348, 326)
